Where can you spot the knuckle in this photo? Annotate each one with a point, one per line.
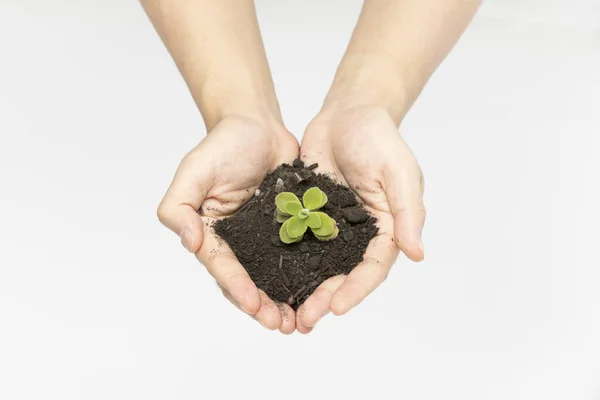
(191, 158)
(232, 279)
(223, 290)
(163, 213)
(188, 158)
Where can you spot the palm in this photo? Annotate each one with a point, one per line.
(363, 150)
(236, 158)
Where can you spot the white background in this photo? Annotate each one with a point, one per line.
(98, 301)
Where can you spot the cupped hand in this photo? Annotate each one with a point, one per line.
(213, 181)
(362, 148)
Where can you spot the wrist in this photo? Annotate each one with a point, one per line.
(220, 100)
(367, 82)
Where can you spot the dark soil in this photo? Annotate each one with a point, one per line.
(289, 273)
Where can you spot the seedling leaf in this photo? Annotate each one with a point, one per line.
(293, 207)
(324, 200)
(313, 220)
(333, 235)
(327, 225)
(281, 218)
(284, 237)
(313, 198)
(283, 198)
(296, 227)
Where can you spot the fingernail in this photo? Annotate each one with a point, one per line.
(187, 240)
(244, 309)
(421, 248)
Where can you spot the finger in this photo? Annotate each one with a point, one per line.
(222, 264)
(366, 276)
(285, 328)
(288, 319)
(268, 314)
(228, 296)
(404, 189)
(319, 303)
(178, 210)
(300, 327)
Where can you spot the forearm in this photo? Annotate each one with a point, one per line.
(395, 48)
(219, 51)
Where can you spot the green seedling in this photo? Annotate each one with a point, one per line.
(297, 217)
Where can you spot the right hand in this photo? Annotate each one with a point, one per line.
(217, 177)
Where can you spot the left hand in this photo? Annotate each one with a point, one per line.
(363, 149)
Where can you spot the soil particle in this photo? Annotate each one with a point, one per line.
(313, 262)
(279, 187)
(355, 215)
(304, 248)
(343, 198)
(348, 236)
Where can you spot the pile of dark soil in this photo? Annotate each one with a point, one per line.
(289, 273)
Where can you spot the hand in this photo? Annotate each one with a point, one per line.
(363, 149)
(217, 177)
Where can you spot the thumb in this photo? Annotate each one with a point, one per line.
(404, 189)
(178, 210)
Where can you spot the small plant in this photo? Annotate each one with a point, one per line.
(297, 218)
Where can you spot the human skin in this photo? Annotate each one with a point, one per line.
(394, 50)
(228, 76)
